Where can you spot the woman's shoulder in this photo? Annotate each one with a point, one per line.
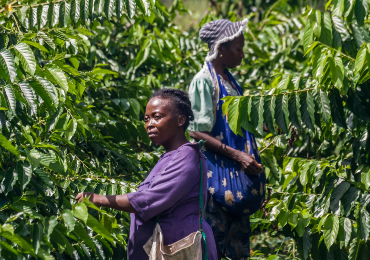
(190, 151)
(203, 75)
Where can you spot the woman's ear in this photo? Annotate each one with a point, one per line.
(181, 120)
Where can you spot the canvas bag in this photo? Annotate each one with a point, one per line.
(188, 248)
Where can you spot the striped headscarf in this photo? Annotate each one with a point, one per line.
(217, 32)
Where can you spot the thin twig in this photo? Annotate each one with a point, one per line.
(16, 22)
(272, 142)
(341, 53)
(35, 5)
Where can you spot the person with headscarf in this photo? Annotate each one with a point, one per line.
(236, 181)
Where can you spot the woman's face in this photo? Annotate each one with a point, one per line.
(232, 53)
(161, 123)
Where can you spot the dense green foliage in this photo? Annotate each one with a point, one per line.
(75, 77)
(306, 74)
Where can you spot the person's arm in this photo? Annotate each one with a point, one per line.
(119, 202)
(247, 163)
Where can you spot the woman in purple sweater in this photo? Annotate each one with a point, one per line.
(171, 190)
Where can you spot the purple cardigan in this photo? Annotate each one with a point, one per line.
(171, 191)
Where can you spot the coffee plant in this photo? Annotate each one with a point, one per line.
(306, 76)
(74, 79)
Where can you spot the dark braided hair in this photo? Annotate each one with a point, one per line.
(180, 100)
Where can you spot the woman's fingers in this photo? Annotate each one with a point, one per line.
(79, 195)
(252, 168)
(258, 166)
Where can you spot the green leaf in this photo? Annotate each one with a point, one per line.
(49, 225)
(303, 222)
(63, 14)
(293, 110)
(337, 194)
(37, 232)
(42, 11)
(365, 177)
(99, 249)
(360, 12)
(32, 18)
(348, 6)
(337, 71)
(282, 112)
(84, 9)
(354, 247)
(99, 228)
(8, 182)
(324, 105)
(363, 224)
(340, 27)
(226, 102)
(59, 34)
(293, 220)
(361, 35)
(135, 105)
(119, 8)
(25, 54)
(69, 220)
(91, 9)
(75, 11)
(47, 39)
(337, 110)
(257, 113)
(57, 76)
(108, 8)
(345, 230)
(130, 8)
(26, 247)
(143, 134)
(303, 178)
(310, 48)
(360, 60)
(8, 65)
(349, 199)
(71, 129)
(331, 228)
(11, 98)
(80, 212)
(45, 178)
(36, 45)
(319, 62)
(307, 36)
(269, 112)
(98, 7)
(24, 172)
(53, 120)
(82, 233)
(30, 96)
(307, 109)
(45, 90)
(338, 7)
(233, 116)
(50, 16)
(4, 142)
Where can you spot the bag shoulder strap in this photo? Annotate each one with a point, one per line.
(201, 142)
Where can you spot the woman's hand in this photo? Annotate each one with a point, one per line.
(94, 198)
(248, 164)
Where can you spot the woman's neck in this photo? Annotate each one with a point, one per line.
(175, 143)
(219, 67)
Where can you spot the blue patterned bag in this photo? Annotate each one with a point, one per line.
(235, 191)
